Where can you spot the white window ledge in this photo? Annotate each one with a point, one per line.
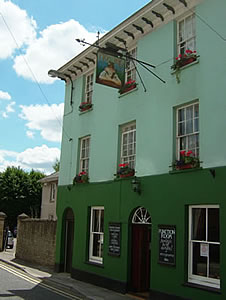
(126, 93)
(186, 66)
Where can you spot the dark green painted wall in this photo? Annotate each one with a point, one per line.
(167, 198)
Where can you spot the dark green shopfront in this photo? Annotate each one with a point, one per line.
(169, 240)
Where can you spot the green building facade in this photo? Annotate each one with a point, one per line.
(150, 217)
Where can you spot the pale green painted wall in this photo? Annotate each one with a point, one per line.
(153, 110)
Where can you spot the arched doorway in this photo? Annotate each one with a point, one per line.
(141, 250)
(69, 239)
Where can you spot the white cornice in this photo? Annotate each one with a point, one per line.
(127, 25)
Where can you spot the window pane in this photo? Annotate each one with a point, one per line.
(214, 264)
(97, 245)
(181, 115)
(181, 128)
(199, 224)
(196, 125)
(95, 220)
(189, 113)
(199, 266)
(102, 221)
(213, 225)
(183, 144)
(189, 126)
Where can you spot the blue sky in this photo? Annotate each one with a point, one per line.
(36, 36)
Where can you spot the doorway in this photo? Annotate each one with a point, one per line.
(69, 240)
(141, 250)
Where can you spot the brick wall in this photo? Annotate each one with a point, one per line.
(36, 241)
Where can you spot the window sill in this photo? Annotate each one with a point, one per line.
(126, 93)
(202, 287)
(85, 111)
(186, 66)
(184, 171)
(100, 265)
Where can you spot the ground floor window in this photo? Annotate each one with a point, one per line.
(96, 234)
(204, 245)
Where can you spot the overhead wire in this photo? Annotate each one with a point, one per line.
(34, 77)
(204, 22)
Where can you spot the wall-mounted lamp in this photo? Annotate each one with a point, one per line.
(136, 185)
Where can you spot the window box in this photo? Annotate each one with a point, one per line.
(85, 106)
(128, 86)
(124, 171)
(187, 161)
(82, 177)
(183, 60)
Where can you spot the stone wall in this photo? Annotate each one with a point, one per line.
(36, 241)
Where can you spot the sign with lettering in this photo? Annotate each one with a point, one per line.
(114, 247)
(167, 244)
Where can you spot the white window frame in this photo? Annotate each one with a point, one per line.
(130, 71)
(187, 135)
(201, 280)
(89, 87)
(92, 258)
(130, 158)
(183, 44)
(84, 154)
(53, 188)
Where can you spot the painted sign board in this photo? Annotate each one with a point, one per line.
(110, 70)
(114, 247)
(167, 244)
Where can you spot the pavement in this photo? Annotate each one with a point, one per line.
(62, 281)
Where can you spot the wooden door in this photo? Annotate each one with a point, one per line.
(69, 239)
(140, 257)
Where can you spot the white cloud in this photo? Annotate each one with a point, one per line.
(30, 134)
(39, 158)
(44, 118)
(16, 28)
(55, 46)
(4, 95)
(9, 109)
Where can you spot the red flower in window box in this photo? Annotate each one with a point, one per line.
(182, 60)
(187, 161)
(82, 177)
(124, 171)
(129, 85)
(85, 106)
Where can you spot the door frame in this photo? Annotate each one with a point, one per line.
(139, 217)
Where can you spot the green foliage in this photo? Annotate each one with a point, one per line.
(56, 165)
(20, 192)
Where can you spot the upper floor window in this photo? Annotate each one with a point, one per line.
(188, 129)
(96, 235)
(204, 245)
(89, 88)
(130, 66)
(186, 35)
(128, 145)
(53, 188)
(84, 154)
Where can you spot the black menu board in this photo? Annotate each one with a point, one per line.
(114, 247)
(167, 244)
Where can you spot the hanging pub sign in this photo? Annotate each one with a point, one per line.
(167, 244)
(110, 70)
(114, 247)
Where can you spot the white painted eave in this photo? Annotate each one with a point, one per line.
(119, 31)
